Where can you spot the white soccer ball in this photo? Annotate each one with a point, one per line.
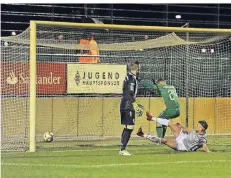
(48, 136)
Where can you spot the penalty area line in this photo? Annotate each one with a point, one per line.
(111, 165)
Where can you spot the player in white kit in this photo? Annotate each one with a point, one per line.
(186, 139)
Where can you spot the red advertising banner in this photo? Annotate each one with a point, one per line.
(51, 78)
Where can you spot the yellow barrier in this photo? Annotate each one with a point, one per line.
(100, 116)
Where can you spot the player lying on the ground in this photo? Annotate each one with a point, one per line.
(169, 95)
(129, 108)
(186, 139)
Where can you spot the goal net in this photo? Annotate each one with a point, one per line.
(80, 72)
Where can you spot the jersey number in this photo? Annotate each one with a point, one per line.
(172, 94)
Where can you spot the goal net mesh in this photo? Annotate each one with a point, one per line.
(79, 102)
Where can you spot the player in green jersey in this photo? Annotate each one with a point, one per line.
(169, 95)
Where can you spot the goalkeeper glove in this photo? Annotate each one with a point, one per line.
(139, 109)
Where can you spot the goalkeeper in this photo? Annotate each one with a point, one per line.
(129, 109)
(169, 95)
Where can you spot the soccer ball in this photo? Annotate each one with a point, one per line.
(48, 136)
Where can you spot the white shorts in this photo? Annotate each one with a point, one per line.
(179, 141)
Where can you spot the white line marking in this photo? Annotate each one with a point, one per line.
(86, 150)
(112, 165)
(113, 149)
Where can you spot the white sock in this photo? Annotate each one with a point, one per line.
(154, 119)
(150, 137)
(145, 135)
(161, 121)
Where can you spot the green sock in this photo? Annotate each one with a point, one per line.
(159, 131)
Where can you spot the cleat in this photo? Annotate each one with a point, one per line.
(124, 153)
(149, 116)
(140, 132)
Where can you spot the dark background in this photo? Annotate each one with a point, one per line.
(16, 17)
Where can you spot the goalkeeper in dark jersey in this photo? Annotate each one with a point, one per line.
(129, 109)
(169, 95)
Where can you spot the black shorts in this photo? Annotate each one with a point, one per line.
(127, 117)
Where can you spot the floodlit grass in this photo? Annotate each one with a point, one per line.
(99, 162)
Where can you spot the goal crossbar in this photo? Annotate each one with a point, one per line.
(132, 27)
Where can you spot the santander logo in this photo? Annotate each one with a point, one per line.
(12, 79)
(22, 78)
(51, 78)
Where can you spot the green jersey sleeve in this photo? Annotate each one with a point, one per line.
(148, 84)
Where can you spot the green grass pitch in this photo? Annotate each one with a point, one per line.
(104, 162)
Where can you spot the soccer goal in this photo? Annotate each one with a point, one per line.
(66, 78)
